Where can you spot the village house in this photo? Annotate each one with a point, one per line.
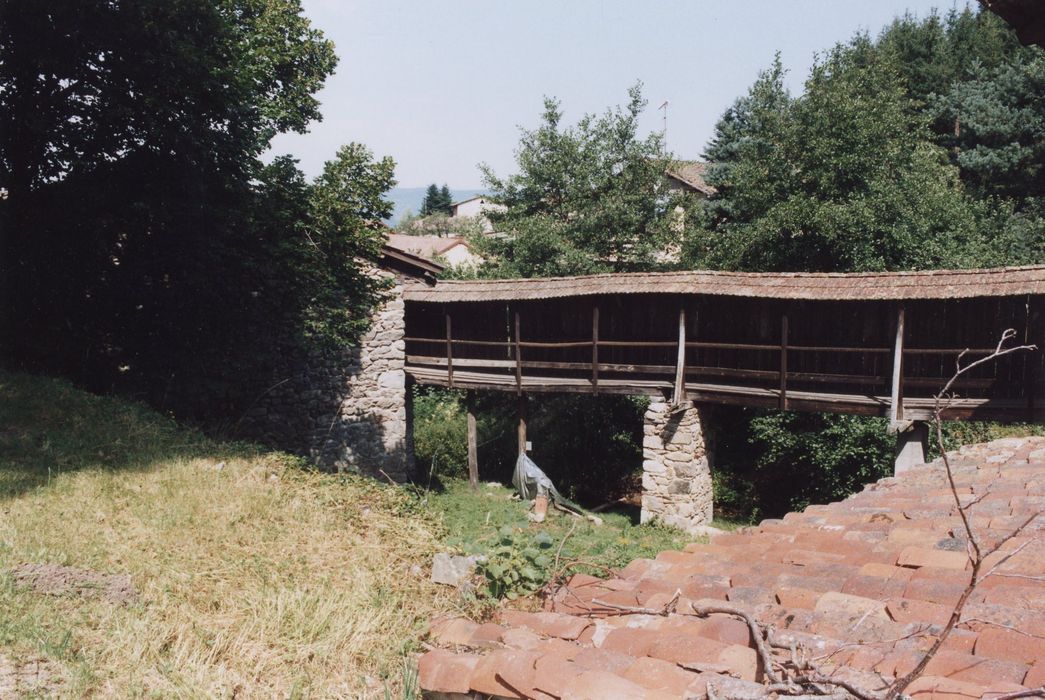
(454, 251)
(476, 208)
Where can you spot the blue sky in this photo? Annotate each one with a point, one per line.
(443, 86)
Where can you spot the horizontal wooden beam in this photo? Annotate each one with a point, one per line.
(862, 404)
(699, 344)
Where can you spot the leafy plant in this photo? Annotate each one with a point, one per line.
(518, 565)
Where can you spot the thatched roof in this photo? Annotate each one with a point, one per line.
(930, 284)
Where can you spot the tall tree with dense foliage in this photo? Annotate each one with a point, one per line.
(587, 198)
(437, 201)
(845, 177)
(145, 245)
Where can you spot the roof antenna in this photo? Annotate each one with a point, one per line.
(665, 108)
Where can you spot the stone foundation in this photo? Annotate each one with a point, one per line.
(676, 476)
(347, 410)
(912, 446)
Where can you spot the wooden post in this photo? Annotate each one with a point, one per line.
(680, 362)
(518, 357)
(896, 393)
(449, 354)
(520, 408)
(783, 362)
(1029, 364)
(595, 349)
(473, 442)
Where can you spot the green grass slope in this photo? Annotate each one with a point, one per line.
(255, 577)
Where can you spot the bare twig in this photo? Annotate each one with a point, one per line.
(756, 633)
(1034, 692)
(976, 555)
(558, 552)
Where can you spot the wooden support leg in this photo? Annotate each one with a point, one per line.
(521, 411)
(473, 442)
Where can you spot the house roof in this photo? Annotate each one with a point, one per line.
(691, 173)
(470, 199)
(928, 284)
(425, 246)
(863, 586)
(409, 263)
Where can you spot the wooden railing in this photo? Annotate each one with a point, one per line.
(778, 378)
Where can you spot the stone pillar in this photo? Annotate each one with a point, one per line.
(372, 430)
(347, 409)
(676, 477)
(912, 446)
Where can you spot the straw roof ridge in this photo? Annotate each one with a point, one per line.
(916, 284)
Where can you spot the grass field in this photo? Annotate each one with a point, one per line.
(256, 576)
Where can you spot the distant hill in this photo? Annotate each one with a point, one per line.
(409, 199)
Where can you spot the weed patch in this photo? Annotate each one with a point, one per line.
(492, 522)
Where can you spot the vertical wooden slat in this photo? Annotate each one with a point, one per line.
(783, 362)
(595, 349)
(449, 354)
(518, 357)
(680, 361)
(1029, 362)
(520, 408)
(896, 393)
(473, 442)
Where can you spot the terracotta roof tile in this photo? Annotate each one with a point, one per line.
(865, 584)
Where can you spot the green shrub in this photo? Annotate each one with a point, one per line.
(770, 462)
(518, 564)
(440, 433)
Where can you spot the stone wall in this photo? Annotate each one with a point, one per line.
(347, 410)
(676, 476)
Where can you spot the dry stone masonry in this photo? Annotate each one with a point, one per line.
(371, 428)
(347, 410)
(676, 478)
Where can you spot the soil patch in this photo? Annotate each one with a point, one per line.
(34, 677)
(53, 579)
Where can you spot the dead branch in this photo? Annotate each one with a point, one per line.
(758, 636)
(1039, 692)
(558, 552)
(941, 402)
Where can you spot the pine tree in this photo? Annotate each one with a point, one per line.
(431, 203)
(445, 200)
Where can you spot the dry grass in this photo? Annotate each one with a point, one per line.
(258, 579)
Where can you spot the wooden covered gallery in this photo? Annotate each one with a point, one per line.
(874, 344)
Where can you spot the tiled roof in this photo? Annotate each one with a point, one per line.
(691, 172)
(926, 284)
(425, 246)
(861, 585)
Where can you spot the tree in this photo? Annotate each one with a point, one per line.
(589, 198)
(346, 206)
(430, 204)
(934, 53)
(436, 201)
(749, 132)
(446, 200)
(826, 182)
(1000, 145)
(145, 244)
